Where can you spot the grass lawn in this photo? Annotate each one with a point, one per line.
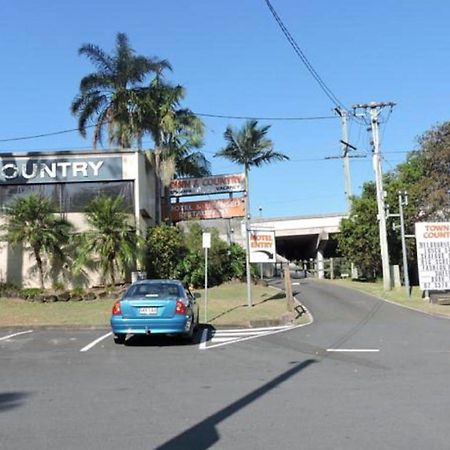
(227, 305)
(397, 295)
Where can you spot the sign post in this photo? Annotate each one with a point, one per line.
(433, 256)
(206, 238)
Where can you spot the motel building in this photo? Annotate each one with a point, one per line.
(71, 180)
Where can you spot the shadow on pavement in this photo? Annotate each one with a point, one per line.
(9, 400)
(203, 435)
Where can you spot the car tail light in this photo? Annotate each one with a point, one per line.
(180, 307)
(116, 311)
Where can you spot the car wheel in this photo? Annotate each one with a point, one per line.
(189, 335)
(120, 338)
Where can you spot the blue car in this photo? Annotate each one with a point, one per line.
(154, 307)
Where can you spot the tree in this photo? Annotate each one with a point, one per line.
(177, 134)
(32, 220)
(358, 239)
(225, 262)
(433, 156)
(106, 96)
(112, 242)
(249, 147)
(165, 250)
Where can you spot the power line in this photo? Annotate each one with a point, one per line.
(328, 92)
(265, 118)
(220, 116)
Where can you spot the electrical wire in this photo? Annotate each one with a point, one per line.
(72, 130)
(327, 91)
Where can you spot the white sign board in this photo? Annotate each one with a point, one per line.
(262, 246)
(433, 255)
(206, 238)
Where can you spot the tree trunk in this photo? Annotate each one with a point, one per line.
(38, 258)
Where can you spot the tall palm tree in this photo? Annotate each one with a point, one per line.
(177, 134)
(112, 241)
(249, 147)
(106, 95)
(32, 221)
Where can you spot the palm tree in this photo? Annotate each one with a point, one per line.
(32, 220)
(106, 95)
(249, 147)
(112, 242)
(177, 134)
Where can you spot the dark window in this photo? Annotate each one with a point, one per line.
(76, 196)
(154, 290)
(70, 197)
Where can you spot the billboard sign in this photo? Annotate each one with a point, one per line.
(262, 246)
(36, 170)
(208, 209)
(217, 184)
(433, 255)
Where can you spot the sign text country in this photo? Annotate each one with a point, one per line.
(209, 209)
(208, 185)
(18, 171)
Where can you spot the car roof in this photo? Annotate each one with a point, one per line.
(150, 281)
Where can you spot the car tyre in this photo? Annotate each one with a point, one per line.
(120, 338)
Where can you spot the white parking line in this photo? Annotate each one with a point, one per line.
(354, 350)
(93, 343)
(244, 336)
(4, 338)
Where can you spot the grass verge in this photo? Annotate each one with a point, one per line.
(397, 295)
(227, 305)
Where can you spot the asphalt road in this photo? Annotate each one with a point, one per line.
(364, 375)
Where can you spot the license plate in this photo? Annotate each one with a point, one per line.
(148, 311)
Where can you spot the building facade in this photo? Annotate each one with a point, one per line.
(71, 180)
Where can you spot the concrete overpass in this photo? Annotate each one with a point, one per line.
(298, 238)
(304, 237)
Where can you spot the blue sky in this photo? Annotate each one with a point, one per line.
(233, 60)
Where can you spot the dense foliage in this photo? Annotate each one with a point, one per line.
(425, 176)
(165, 250)
(111, 241)
(32, 222)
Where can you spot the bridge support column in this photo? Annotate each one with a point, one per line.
(320, 265)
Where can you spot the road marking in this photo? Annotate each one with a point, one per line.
(354, 350)
(4, 338)
(93, 343)
(220, 338)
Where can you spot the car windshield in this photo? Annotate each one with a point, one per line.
(154, 290)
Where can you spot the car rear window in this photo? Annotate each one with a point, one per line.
(154, 290)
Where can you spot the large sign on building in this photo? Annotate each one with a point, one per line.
(217, 184)
(262, 246)
(433, 255)
(64, 169)
(208, 209)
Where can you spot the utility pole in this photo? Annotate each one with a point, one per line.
(374, 109)
(402, 201)
(343, 114)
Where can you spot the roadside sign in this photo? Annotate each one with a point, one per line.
(262, 246)
(433, 255)
(216, 184)
(224, 208)
(206, 238)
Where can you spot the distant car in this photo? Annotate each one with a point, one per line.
(155, 307)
